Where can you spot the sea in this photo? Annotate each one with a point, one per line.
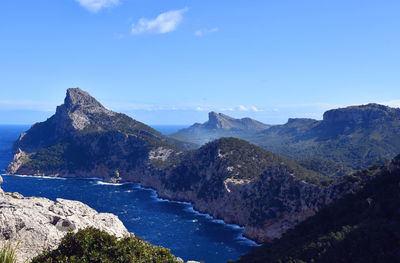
(175, 225)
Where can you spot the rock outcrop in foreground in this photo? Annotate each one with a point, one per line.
(39, 224)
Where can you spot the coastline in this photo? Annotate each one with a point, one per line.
(190, 207)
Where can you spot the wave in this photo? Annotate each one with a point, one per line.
(41, 176)
(106, 183)
(91, 178)
(188, 207)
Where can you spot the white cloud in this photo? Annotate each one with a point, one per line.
(163, 23)
(249, 108)
(206, 31)
(392, 103)
(242, 108)
(96, 5)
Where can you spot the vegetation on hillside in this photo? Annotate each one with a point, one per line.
(91, 245)
(361, 227)
(204, 170)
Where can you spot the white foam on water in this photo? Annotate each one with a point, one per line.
(91, 178)
(105, 183)
(189, 208)
(40, 177)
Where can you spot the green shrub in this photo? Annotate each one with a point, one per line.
(7, 253)
(91, 245)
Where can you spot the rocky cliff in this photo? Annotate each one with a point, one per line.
(246, 185)
(360, 227)
(38, 224)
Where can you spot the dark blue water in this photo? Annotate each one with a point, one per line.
(188, 234)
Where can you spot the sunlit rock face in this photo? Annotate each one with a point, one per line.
(37, 224)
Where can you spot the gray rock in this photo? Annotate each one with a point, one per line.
(36, 224)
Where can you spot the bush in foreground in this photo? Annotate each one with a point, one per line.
(7, 253)
(91, 245)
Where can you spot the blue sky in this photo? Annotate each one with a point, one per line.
(172, 61)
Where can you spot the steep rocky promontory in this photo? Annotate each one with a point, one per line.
(228, 178)
(85, 139)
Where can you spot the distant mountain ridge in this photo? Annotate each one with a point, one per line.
(219, 125)
(354, 137)
(338, 144)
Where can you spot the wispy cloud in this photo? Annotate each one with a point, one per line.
(26, 105)
(96, 5)
(205, 31)
(163, 23)
(249, 108)
(392, 103)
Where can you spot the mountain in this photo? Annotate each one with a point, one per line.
(349, 138)
(84, 138)
(241, 183)
(360, 227)
(229, 178)
(219, 125)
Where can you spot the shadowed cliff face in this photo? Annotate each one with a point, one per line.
(361, 227)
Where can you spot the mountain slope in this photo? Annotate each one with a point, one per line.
(241, 183)
(85, 138)
(219, 125)
(361, 227)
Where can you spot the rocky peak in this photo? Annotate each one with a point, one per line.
(80, 109)
(218, 120)
(79, 98)
(362, 113)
